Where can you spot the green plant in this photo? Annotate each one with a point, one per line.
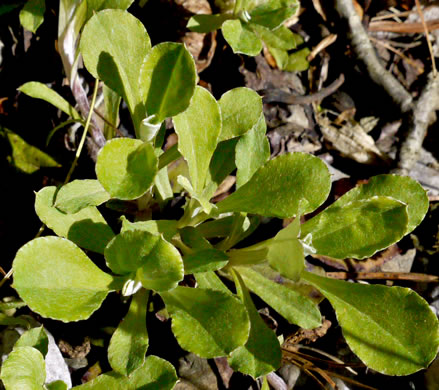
(391, 329)
(252, 23)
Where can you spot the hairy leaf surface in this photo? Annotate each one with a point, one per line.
(198, 129)
(288, 185)
(357, 229)
(126, 167)
(129, 342)
(79, 194)
(391, 329)
(169, 79)
(57, 280)
(261, 354)
(295, 308)
(87, 228)
(206, 322)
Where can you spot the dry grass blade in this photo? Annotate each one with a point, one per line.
(427, 37)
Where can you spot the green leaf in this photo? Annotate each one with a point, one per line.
(198, 129)
(295, 308)
(24, 369)
(169, 79)
(272, 14)
(168, 228)
(221, 165)
(286, 186)
(241, 38)
(285, 252)
(241, 108)
(242, 227)
(192, 238)
(79, 194)
(126, 167)
(41, 91)
(297, 61)
(26, 157)
(36, 338)
(98, 5)
(206, 322)
(57, 280)
(261, 354)
(111, 106)
(357, 229)
(201, 199)
(32, 14)
(129, 342)
(252, 151)
(206, 23)
(220, 227)
(402, 188)
(205, 260)
(114, 45)
(210, 280)
(391, 329)
(57, 385)
(155, 373)
(280, 56)
(87, 228)
(158, 263)
(281, 38)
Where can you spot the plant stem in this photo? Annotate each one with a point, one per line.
(169, 156)
(84, 134)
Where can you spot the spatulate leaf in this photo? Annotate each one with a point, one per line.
(79, 194)
(126, 167)
(156, 262)
(295, 308)
(402, 188)
(117, 56)
(206, 322)
(241, 38)
(286, 186)
(391, 329)
(198, 129)
(241, 108)
(57, 280)
(86, 228)
(24, 369)
(357, 229)
(129, 342)
(169, 79)
(261, 354)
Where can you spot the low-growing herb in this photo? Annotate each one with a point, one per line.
(391, 329)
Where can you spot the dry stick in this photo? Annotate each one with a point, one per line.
(423, 116)
(384, 275)
(276, 382)
(366, 53)
(277, 95)
(418, 68)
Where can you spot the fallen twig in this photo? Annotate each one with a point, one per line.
(366, 53)
(415, 277)
(277, 95)
(423, 116)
